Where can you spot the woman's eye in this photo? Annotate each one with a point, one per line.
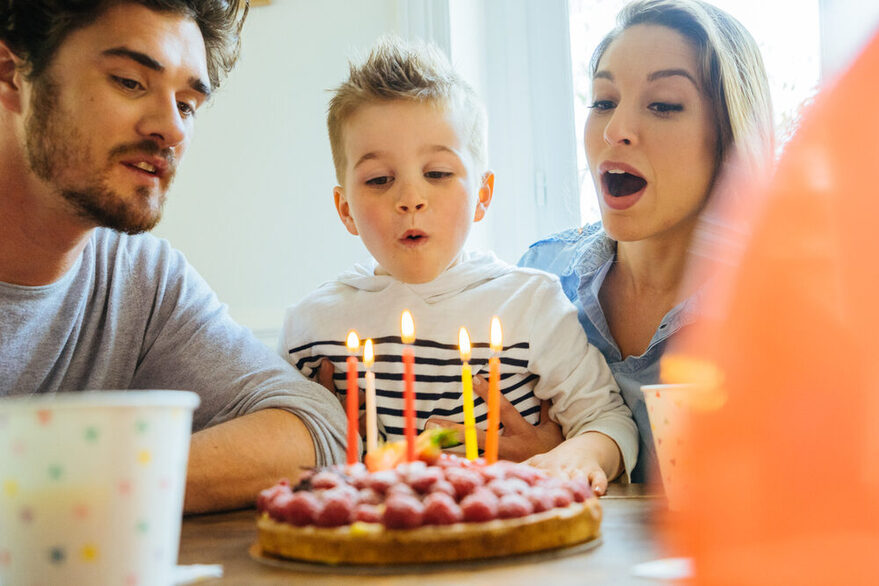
(384, 180)
(602, 105)
(129, 84)
(665, 108)
(438, 174)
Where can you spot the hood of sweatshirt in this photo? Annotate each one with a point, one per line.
(474, 269)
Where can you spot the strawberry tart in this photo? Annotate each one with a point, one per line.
(450, 509)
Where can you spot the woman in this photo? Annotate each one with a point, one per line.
(679, 91)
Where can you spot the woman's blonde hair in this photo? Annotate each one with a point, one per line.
(732, 71)
(397, 70)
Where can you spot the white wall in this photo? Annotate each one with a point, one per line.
(252, 205)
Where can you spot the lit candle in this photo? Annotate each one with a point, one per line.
(467, 382)
(494, 392)
(371, 428)
(407, 328)
(353, 343)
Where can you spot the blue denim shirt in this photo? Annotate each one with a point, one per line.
(581, 257)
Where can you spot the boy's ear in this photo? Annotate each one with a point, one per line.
(486, 190)
(344, 210)
(10, 79)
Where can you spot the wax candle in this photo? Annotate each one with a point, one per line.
(407, 328)
(467, 395)
(371, 427)
(353, 343)
(494, 393)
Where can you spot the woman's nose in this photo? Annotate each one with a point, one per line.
(620, 128)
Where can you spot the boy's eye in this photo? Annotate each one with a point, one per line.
(665, 108)
(438, 174)
(129, 84)
(384, 180)
(602, 105)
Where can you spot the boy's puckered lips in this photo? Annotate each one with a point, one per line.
(413, 238)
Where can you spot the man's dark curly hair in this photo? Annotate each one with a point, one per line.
(35, 29)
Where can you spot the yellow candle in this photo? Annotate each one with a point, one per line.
(467, 383)
(371, 427)
(494, 393)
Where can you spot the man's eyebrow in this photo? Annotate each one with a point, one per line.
(150, 63)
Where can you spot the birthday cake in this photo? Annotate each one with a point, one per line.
(446, 509)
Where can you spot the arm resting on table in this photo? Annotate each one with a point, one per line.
(231, 462)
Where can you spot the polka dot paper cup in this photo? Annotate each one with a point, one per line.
(669, 407)
(91, 486)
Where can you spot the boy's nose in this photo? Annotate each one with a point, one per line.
(410, 200)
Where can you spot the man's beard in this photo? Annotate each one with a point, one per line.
(55, 146)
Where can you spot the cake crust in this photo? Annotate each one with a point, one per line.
(374, 544)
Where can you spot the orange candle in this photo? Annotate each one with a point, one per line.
(353, 343)
(494, 392)
(467, 396)
(407, 328)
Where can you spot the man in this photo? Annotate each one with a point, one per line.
(97, 105)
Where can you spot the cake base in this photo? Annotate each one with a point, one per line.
(373, 544)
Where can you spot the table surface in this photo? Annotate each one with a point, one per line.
(626, 540)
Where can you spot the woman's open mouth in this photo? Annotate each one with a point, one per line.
(618, 183)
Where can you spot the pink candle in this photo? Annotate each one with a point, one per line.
(353, 343)
(494, 393)
(407, 328)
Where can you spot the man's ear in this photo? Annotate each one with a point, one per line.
(10, 79)
(486, 190)
(344, 210)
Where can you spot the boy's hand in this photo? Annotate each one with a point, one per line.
(324, 375)
(520, 439)
(591, 454)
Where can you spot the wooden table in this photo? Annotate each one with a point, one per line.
(626, 540)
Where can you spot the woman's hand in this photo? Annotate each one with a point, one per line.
(520, 439)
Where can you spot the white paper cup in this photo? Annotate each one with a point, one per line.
(91, 486)
(670, 408)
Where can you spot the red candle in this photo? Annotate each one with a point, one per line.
(353, 343)
(407, 328)
(494, 393)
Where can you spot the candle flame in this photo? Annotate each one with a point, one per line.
(368, 353)
(407, 327)
(353, 342)
(496, 335)
(464, 344)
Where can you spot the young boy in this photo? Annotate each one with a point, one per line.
(408, 142)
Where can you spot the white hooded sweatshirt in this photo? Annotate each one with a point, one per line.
(545, 352)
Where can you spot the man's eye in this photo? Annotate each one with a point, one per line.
(129, 84)
(186, 110)
(602, 105)
(384, 180)
(438, 174)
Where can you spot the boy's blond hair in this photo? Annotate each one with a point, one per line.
(397, 70)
